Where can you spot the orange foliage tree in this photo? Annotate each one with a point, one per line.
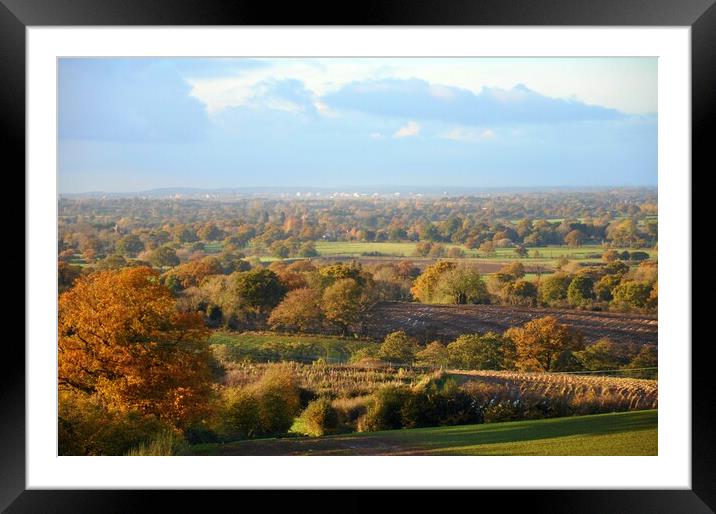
(540, 343)
(122, 342)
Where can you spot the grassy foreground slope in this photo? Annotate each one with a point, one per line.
(625, 433)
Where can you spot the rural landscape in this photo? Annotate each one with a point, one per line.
(339, 317)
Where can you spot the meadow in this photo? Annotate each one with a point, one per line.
(623, 433)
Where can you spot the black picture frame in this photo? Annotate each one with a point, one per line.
(700, 15)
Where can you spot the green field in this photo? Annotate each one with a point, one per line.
(407, 249)
(625, 433)
(353, 249)
(266, 347)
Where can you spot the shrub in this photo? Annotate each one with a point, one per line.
(319, 418)
(240, 415)
(502, 411)
(86, 427)
(384, 409)
(278, 400)
(350, 409)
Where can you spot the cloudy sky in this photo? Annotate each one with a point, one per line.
(140, 123)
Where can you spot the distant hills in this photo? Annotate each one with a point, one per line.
(325, 192)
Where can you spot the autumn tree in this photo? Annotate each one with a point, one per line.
(301, 309)
(540, 343)
(122, 341)
(574, 238)
(342, 303)
(516, 269)
(461, 285)
(192, 273)
(425, 286)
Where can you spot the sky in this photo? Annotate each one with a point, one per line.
(131, 124)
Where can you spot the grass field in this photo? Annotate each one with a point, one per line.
(258, 346)
(626, 433)
(548, 255)
(407, 249)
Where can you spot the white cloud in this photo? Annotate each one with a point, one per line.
(376, 135)
(410, 129)
(626, 84)
(468, 135)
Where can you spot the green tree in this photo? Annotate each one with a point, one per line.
(461, 285)
(398, 347)
(602, 355)
(553, 288)
(259, 289)
(130, 245)
(434, 354)
(163, 257)
(308, 249)
(475, 351)
(603, 289)
(631, 295)
(580, 291)
(523, 292)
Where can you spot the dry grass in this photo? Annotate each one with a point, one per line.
(334, 381)
(584, 394)
(606, 393)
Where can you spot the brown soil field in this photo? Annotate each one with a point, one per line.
(446, 322)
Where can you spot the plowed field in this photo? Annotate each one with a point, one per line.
(446, 322)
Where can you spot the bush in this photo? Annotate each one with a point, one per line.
(265, 408)
(200, 434)
(350, 410)
(502, 411)
(240, 415)
(319, 418)
(384, 409)
(278, 400)
(85, 427)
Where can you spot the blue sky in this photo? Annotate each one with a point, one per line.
(128, 124)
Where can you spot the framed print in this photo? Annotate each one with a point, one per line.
(267, 254)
